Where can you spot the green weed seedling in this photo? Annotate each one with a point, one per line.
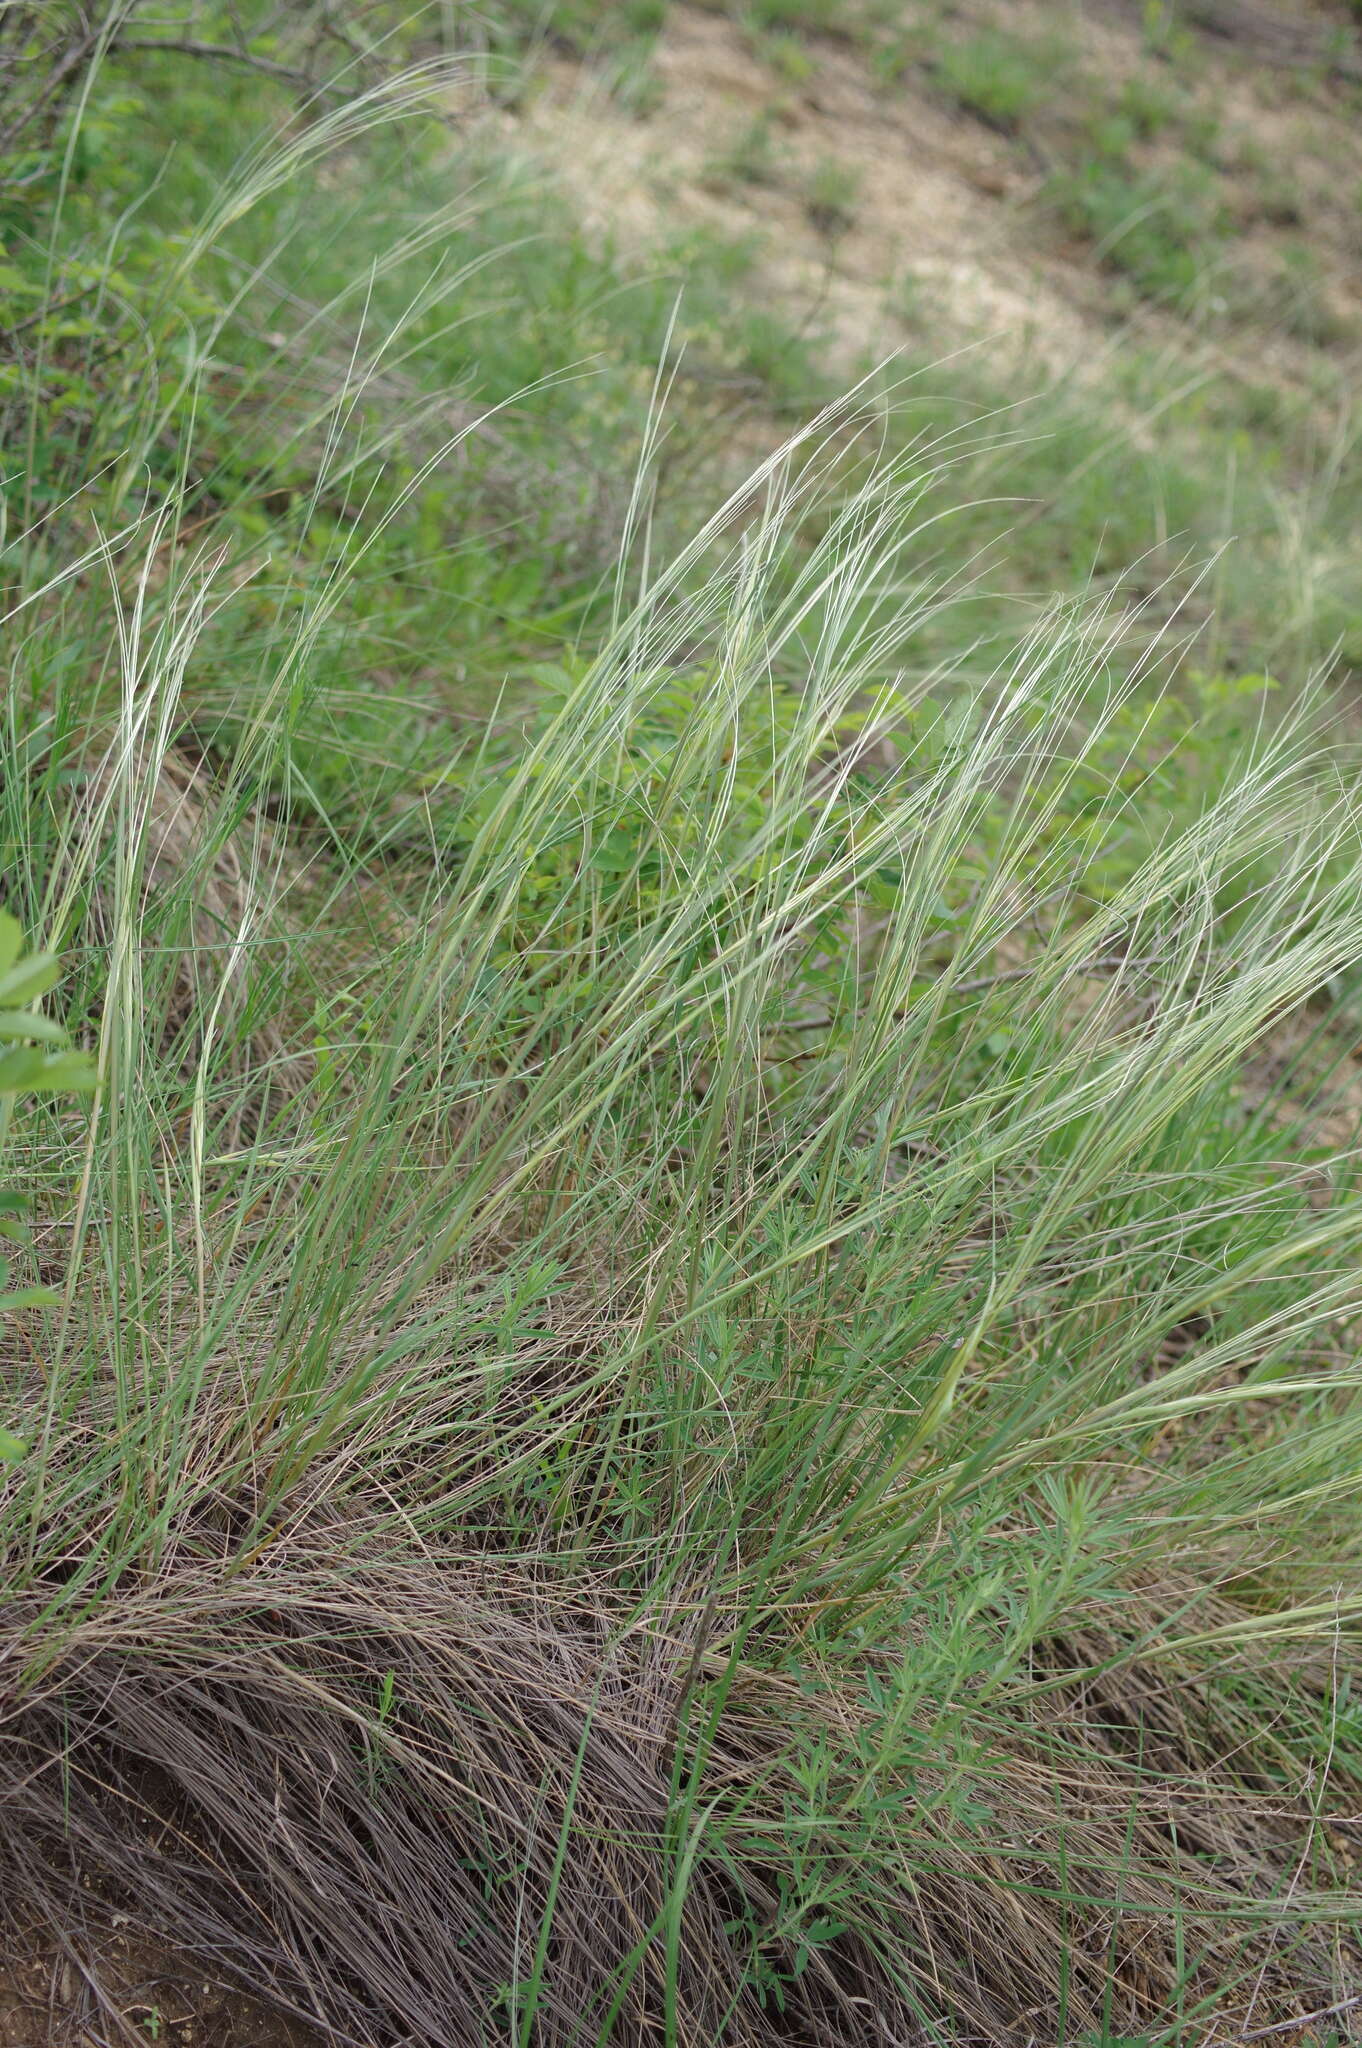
(35, 1059)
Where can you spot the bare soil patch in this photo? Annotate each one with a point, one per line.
(109, 1988)
(950, 234)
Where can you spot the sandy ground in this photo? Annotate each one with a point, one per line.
(947, 228)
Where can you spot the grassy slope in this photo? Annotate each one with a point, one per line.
(1152, 233)
(702, 1363)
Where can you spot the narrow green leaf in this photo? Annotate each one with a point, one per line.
(29, 979)
(20, 1068)
(62, 1070)
(28, 1024)
(29, 1297)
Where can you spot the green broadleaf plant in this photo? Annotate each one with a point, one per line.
(35, 1059)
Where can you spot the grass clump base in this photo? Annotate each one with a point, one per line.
(675, 1446)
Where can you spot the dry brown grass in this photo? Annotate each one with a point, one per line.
(342, 1787)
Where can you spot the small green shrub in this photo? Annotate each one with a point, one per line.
(831, 190)
(1299, 298)
(819, 17)
(788, 56)
(1147, 104)
(35, 1059)
(1162, 230)
(900, 49)
(577, 25)
(785, 362)
(1165, 35)
(1000, 79)
(749, 158)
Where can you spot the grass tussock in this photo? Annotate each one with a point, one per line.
(643, 1489)
(697, 1393)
